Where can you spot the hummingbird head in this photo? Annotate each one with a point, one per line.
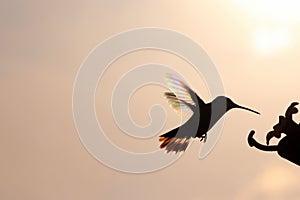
(230, 104)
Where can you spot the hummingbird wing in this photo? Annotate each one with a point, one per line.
(182, 96)
(175, 103)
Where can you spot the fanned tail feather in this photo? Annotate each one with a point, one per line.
(173, 144)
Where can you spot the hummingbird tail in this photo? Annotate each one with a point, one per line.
(172, 143)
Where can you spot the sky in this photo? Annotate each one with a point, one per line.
(253, 44)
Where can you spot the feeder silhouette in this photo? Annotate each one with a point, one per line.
(204, 117)
(289, 146)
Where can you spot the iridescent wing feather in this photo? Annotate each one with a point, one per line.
(180, 92)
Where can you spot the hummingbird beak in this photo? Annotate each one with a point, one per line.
(244, 108)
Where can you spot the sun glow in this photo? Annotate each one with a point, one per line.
(267, 41)
(273, 20)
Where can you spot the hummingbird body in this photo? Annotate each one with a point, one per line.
(204, 117)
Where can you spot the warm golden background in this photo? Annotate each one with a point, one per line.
(254, 44)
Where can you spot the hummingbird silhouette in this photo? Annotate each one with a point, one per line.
(204, 115)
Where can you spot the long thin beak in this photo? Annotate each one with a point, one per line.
(241, 107)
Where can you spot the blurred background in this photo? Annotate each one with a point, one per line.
(254, 45)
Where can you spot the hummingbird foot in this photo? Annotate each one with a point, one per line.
(203, 137)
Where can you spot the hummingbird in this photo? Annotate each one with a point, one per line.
(204, 115)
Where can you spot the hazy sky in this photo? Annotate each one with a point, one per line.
(255, 46)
